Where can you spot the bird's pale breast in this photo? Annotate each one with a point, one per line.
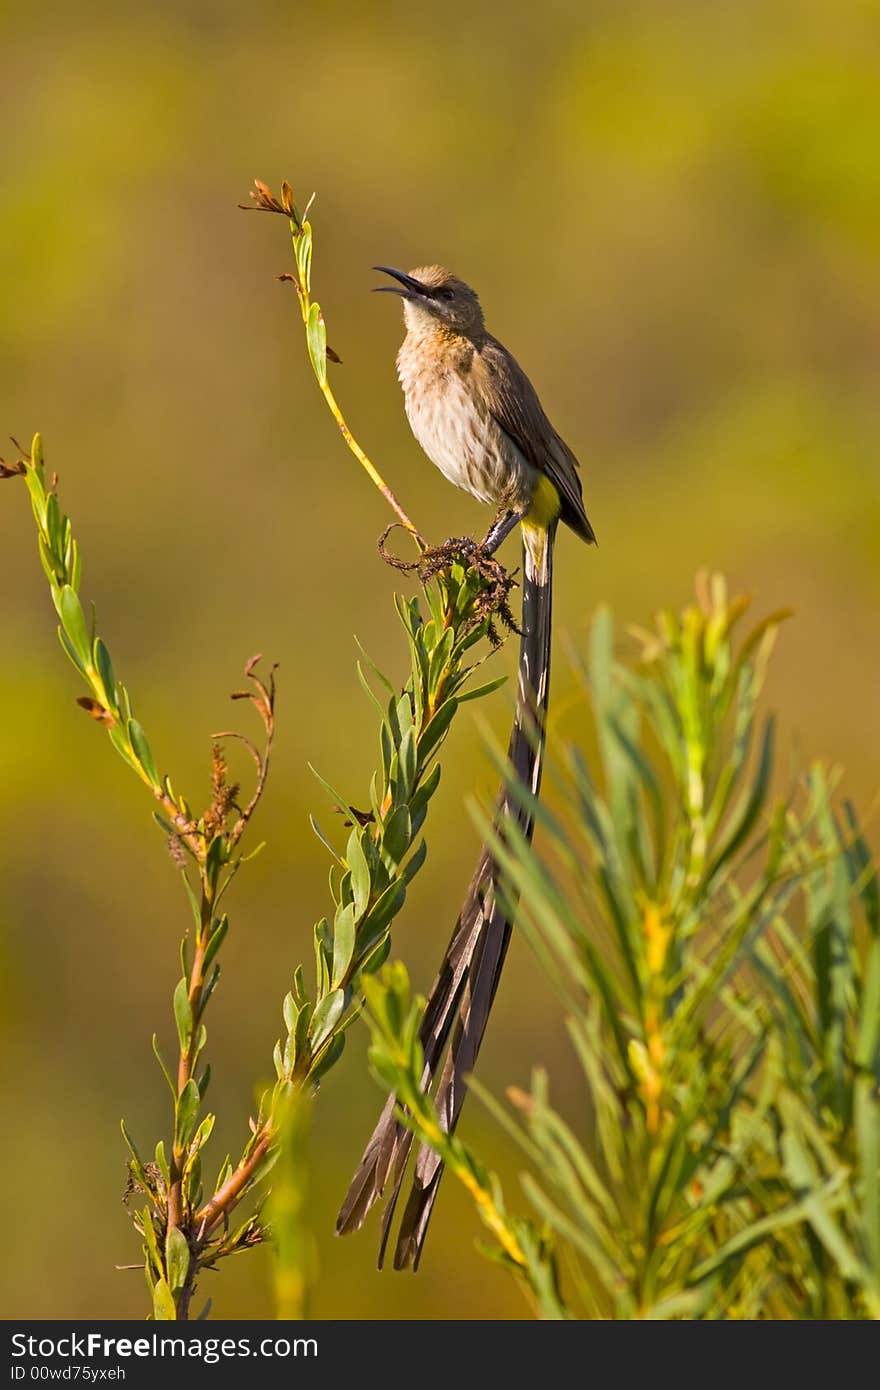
(458, 432)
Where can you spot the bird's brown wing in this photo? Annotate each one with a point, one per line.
(517, 410)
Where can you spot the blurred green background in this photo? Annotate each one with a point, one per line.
(672, 213)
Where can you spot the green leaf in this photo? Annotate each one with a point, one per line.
(209, 988)
(216, 857)
(120, 741)
(360, 872)
(185, 1113)
(384, 1068)
(37, 455)
(164, 1307)
(326, 1016)
(303, 245)
(406, 767)
(152, 1247)
(343, 942)
(53, 524)
(263, 1169)
(397, 834)
(290, 1011)
(316, 334)
(403, 713)
(301, 1031)
(162, 1164)
(203, 1133)
(386, 908)
(376, 957)
(323, 838)
(138, 740)
(192, 900)
(70, 651)
(74, 624)
(177, 1258)
(476, 692)
(323, 945)
(74, 563)
(422, 795)
(339, 802)
(386, 746)
(437, 728)
(164, 1069)
(183, 1014)
(215, 941)
(369, 692)
(329, 1059)
(415, 862)
(375, 669)
(440, 659)
(130, 1143)
(104, 667)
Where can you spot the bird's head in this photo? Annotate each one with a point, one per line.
(432, 296)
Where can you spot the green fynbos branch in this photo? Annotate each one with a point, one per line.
(385, 849)
(108, 700)
(383, 853)
(174, 1249)
(721, 995)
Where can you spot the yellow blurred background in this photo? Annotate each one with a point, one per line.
(672, 213)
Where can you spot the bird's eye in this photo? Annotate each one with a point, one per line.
(445, 293)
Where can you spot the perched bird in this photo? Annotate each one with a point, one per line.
(478, 418)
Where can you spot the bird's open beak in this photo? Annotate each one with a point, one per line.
(410, 287)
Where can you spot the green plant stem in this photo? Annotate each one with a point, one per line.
(263, 200)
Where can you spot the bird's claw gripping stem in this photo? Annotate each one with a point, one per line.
(494, 598)
(505, 522)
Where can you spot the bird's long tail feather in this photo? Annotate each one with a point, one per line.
(462, 994)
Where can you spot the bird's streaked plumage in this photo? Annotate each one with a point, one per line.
(472, 407)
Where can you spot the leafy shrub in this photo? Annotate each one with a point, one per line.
(716, 951)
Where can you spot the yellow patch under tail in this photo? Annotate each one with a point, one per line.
(538, 522)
